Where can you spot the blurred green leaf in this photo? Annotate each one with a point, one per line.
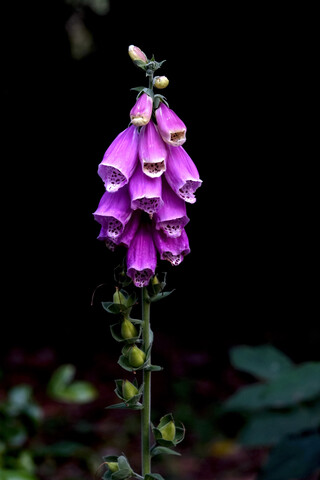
(296, 457)
(61, 386)
(15, 475)
(265, 361)
(297, 385)
(268, 428)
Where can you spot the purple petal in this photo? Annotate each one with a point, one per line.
(172, 216)
(142, 257)
(172, 249)
(182, 174)
(120, 159)
(141, 112)
(126, 236)
(152, 151)
(145, 192)
(171, 127)
(130, 230)
(113, 212)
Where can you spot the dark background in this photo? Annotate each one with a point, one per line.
(232, 81)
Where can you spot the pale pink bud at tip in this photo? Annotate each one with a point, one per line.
(141, 112)
(136, 54)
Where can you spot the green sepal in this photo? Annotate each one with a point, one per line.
(124, 362)
(125, 406)
(116, 332)
(133, 402)
(153, 368)
(124, 472)
(153, 476)
(140, 64)
(108, 473)
(160, 296)
(179, 436)
(114, 308)
(158, 98)
(124, 308)
(142, 90)
(158, 450)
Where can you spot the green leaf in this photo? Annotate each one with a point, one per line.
(296, 457)
(60, 378)
(297, 385)
(78, 392)
(265, 361)
(62, 388)
(15, 475)
(158, 450)
(268, 428)
(247, 398)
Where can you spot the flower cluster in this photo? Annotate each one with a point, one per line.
(148, 178)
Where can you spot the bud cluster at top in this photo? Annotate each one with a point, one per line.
(149, 177)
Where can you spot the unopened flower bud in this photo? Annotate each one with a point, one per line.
(136, 54)
(113, 466)
(161, 82)
(128, 390)
(128, 330)
(118, 297)
(168, 431)
(141, 112)
(136, 357)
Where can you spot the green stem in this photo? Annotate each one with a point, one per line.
(146, 411)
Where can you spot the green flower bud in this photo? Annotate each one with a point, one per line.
(136, 357)
(161, 82)
(168, 431)
(118, 297)
(128, 330)
(128, 390)
(113, 466)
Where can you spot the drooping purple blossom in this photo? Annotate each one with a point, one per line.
(182, 174)
(141, 112)
(152, 151)
(171, 218)
(113, 212)
(172, 249)
(142, 256)
(171, 127)
(120, 160)
(126, 236)
(145, 192)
